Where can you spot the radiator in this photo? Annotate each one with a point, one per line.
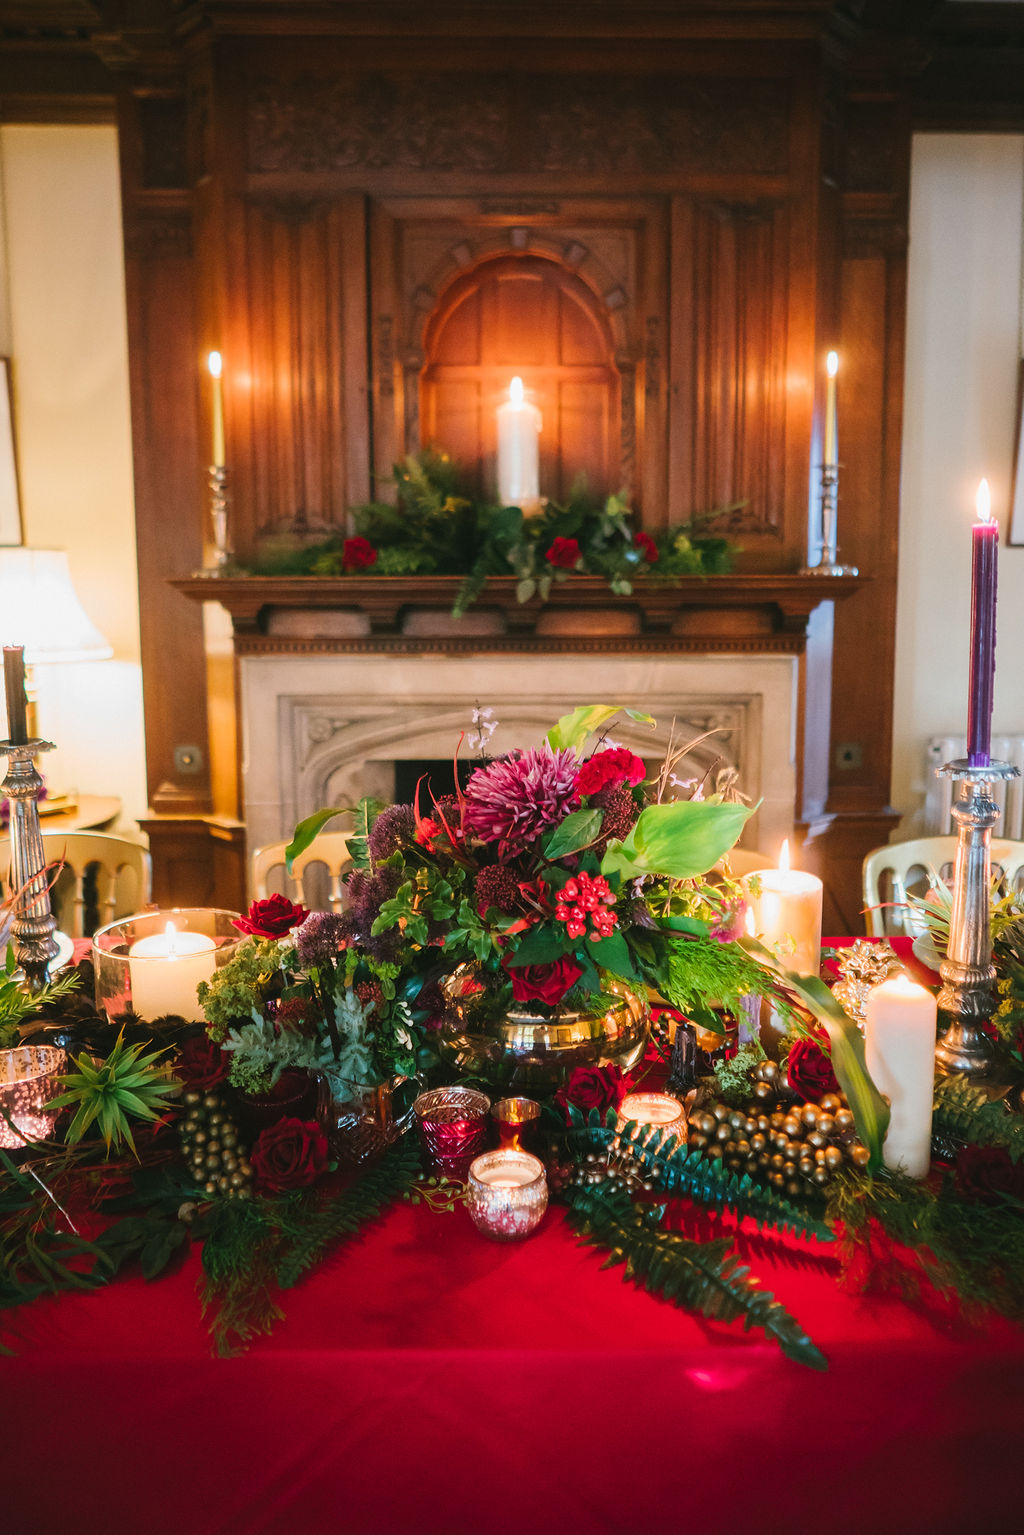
(938, 821)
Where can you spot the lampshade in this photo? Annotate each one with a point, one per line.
(39, 609)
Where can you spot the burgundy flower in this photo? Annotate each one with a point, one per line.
(289, 1155)
(593, 1087)
(809, 1068)
(564, 554)
(646, 545)
(496, 886)
(544, 983)
(515, 800)
(609, 769)
(986, 1174)
(357, 553)
(202, 1064)
(273, 918)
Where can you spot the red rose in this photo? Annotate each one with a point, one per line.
(646, 545)
(289, 1155)
(564, 553)
(544, 983)
(202, 1064)
(357, 553)
(809, 1068)
(593, 1087)
(986, 1174)
(615, 766)
(273, 918)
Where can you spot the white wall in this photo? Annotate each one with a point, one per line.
(963, 346)
(65, 309)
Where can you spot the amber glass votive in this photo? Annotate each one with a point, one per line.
(658, 1110)
(508, 1194)
(28, 1080)
(453, 1128)
(518, 1122)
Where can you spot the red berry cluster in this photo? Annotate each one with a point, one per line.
(586, 896)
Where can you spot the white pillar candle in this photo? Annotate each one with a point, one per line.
(519, 427)
(165, 970)
(899, 1047)
(787, 914)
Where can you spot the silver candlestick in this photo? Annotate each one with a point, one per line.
(828, 560)
(34, 924)
(968, 974)
(220, 508)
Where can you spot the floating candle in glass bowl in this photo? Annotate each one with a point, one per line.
(153, 962)
(658, 1110)
(508, 1194)
(787, 914)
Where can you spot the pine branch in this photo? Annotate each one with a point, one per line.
(965, 1113)
(698, 1276)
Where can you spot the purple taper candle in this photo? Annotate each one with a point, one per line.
(983, 632)
(14, 686)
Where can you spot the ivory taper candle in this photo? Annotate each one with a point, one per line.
(899, 1047)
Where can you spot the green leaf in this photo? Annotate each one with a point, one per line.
(306, 833)
(573, 729)
(612, 953)
(679, 840)
(577, 830)
(539, 946)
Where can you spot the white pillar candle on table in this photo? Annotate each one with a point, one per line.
(899, 1048)
(165, 970)
(787, 914)
(519, 427)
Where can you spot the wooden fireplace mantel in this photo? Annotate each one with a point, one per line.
(754, 612)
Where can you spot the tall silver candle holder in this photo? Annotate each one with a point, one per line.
(968, 974)
(220, 515)
(828, 560)
(34, 924)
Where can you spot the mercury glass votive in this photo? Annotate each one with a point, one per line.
(518, 1122)
(508, 1194)
(28, 1081)
(658, 1110)
(452, 1123)
(154, 961)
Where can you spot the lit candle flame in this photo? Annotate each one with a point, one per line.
(832, 364)
(515, 391)
(983, 502)
(784, 854)
(171, 933)
(215, 364)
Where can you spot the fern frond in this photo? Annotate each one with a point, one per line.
(964, 1112)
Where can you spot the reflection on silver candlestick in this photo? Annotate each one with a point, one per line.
(220, 508)
(968, 974)
(828, 558)
(34, 924)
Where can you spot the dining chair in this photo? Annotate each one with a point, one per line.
(900, 869)
(102, 877)
(316, 877)
(743, 861)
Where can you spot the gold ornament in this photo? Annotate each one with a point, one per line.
(862, 966)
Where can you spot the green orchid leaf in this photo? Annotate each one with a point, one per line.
(579, 829)
(573, 729)
(306, 833)
(679, 840)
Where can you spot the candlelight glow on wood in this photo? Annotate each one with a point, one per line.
(899, 1047)
(519, 428)
(215, 364)
(984, 574)
(787, 914)
(165, 970)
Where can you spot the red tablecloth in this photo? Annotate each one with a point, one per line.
(428, 1380)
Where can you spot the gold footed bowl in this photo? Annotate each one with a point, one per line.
(524, 1053)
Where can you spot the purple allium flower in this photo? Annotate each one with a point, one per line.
(367, 893)
(317, 940)
(394, 828)
(514, 800)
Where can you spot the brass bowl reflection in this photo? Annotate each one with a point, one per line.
(522, 1052)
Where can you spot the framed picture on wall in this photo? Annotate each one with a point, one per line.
(1017, 484)
(10, 499)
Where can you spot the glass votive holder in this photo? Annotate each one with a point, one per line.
(658, 1110)
(518, 1122)
(508, 1194)
(452, 1123)
(154, 961)
(28, 1081)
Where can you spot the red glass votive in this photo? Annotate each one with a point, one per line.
(518, 1122)
(453, 1128)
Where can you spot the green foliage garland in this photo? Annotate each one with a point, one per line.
(964, 1112)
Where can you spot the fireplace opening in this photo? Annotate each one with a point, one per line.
(438, 779)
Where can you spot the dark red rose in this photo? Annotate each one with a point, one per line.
(544, 983)
(357, 553)
(809, 1068)
(202, 1064)
(986, 1174)
(564, 553)
(615, 766)
(645, 543)
(273, 918)
(289, 1155)
(593, 1087)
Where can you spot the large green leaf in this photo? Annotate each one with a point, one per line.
(307, 831)
(577, 830)
(573, 729)
(678, 840)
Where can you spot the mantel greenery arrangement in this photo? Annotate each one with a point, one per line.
(438, 528)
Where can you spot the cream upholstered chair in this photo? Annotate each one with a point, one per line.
(316, 877)
(900, 869)
(743, 861)
(103, 877)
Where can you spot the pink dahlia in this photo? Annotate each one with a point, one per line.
(515, 800)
